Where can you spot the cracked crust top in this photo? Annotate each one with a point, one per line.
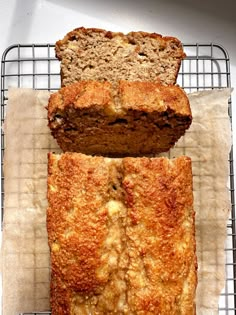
(131, 119)
(138, 96)
(121, 235)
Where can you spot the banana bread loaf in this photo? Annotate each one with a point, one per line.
(96, 54)
(121, 235)
(133, 119)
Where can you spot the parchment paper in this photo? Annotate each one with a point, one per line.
(25, 252)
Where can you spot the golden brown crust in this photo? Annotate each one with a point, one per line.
(139, 96)
(98, 118)
(76, 223)
(160, 236)
(152, 97)
(126, 251)
(83, 94)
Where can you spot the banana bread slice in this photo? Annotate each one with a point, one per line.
(121, 235)
(96, 54)
(133, 119)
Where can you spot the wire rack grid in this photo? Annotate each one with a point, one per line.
(206, 67)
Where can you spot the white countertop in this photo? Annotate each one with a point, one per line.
(46, 21)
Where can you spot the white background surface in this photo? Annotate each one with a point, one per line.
(46, 21)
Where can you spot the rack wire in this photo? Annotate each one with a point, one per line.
(206, 67)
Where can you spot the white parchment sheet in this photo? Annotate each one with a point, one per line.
(25, 252)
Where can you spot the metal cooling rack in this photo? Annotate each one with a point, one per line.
(206, 67)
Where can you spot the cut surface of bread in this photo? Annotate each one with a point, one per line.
(121, 235)
(131, 119)
(96, 54)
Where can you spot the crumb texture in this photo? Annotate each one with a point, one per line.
(95, 54)
(131, 119)
(121, 235)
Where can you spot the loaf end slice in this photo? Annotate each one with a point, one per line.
(131, 119)
(96, 54)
